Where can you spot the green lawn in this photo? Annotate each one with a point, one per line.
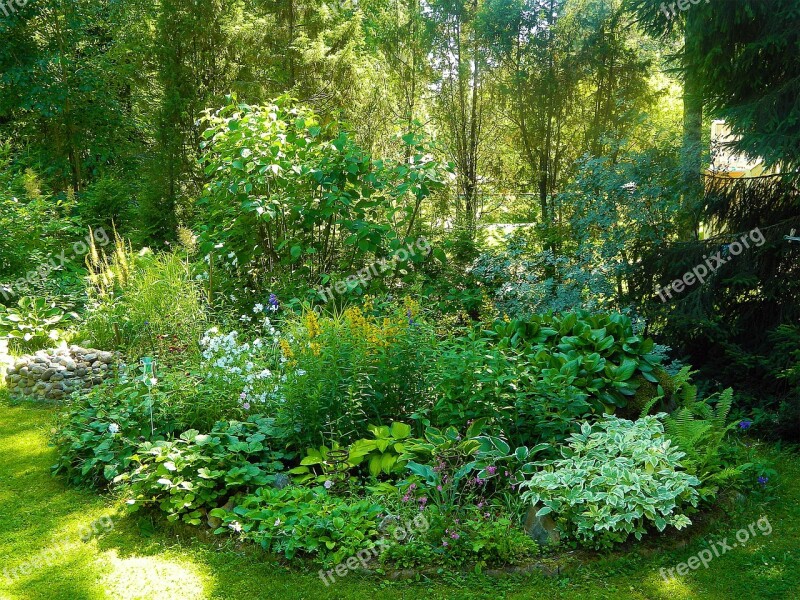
(39, 514)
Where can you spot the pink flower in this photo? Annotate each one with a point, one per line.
(412, 487)
(423, 500)
(491, 470)
(439, 487)
(454, 535)
(406, 498)
(445, 544)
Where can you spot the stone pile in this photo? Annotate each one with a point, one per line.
(54, 374)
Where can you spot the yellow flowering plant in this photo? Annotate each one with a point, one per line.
(349, 369)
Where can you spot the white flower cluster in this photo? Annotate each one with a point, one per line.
(240, 365)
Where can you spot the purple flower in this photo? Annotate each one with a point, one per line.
(412, 487)
(243, 396)
(246, 406)
(445, 544)
(406, 498)
(486, 515)
(745, 424)
(508, 474)
(328, 484)
(423, 500)
(491, 470)
(763, 479)
(439, 487)
(454, 535)
(273, 302)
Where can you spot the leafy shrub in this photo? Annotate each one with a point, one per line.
(537, 377)
(97, 435)
(296, 520)
(32, 324)
(145, 304)
(523, 281)
(613, 480)
(188, 476)
(471, 378)
(35, 224)
(290, 193)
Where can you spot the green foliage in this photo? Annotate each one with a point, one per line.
(32, 324)
(36, 224)
(443, 463)
(305, 521)
(288, 192)
(191, 475)
(552, 369)
(327, 469)
(700, 430)
(382, 454)
(97, 435)
(613, 481)
(476, 541)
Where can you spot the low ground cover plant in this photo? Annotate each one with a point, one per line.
(195, 473)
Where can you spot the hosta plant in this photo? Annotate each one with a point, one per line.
(613, 480)
(33, 324)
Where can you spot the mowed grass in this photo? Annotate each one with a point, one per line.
(40, 516)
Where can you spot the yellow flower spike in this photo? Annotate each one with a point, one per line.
(312, 324)
(286, 349)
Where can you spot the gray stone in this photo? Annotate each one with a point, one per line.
(46, 375)
(541, 529)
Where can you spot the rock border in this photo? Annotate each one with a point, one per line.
(55, 373)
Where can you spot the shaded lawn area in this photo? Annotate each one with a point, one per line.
(39, 514)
